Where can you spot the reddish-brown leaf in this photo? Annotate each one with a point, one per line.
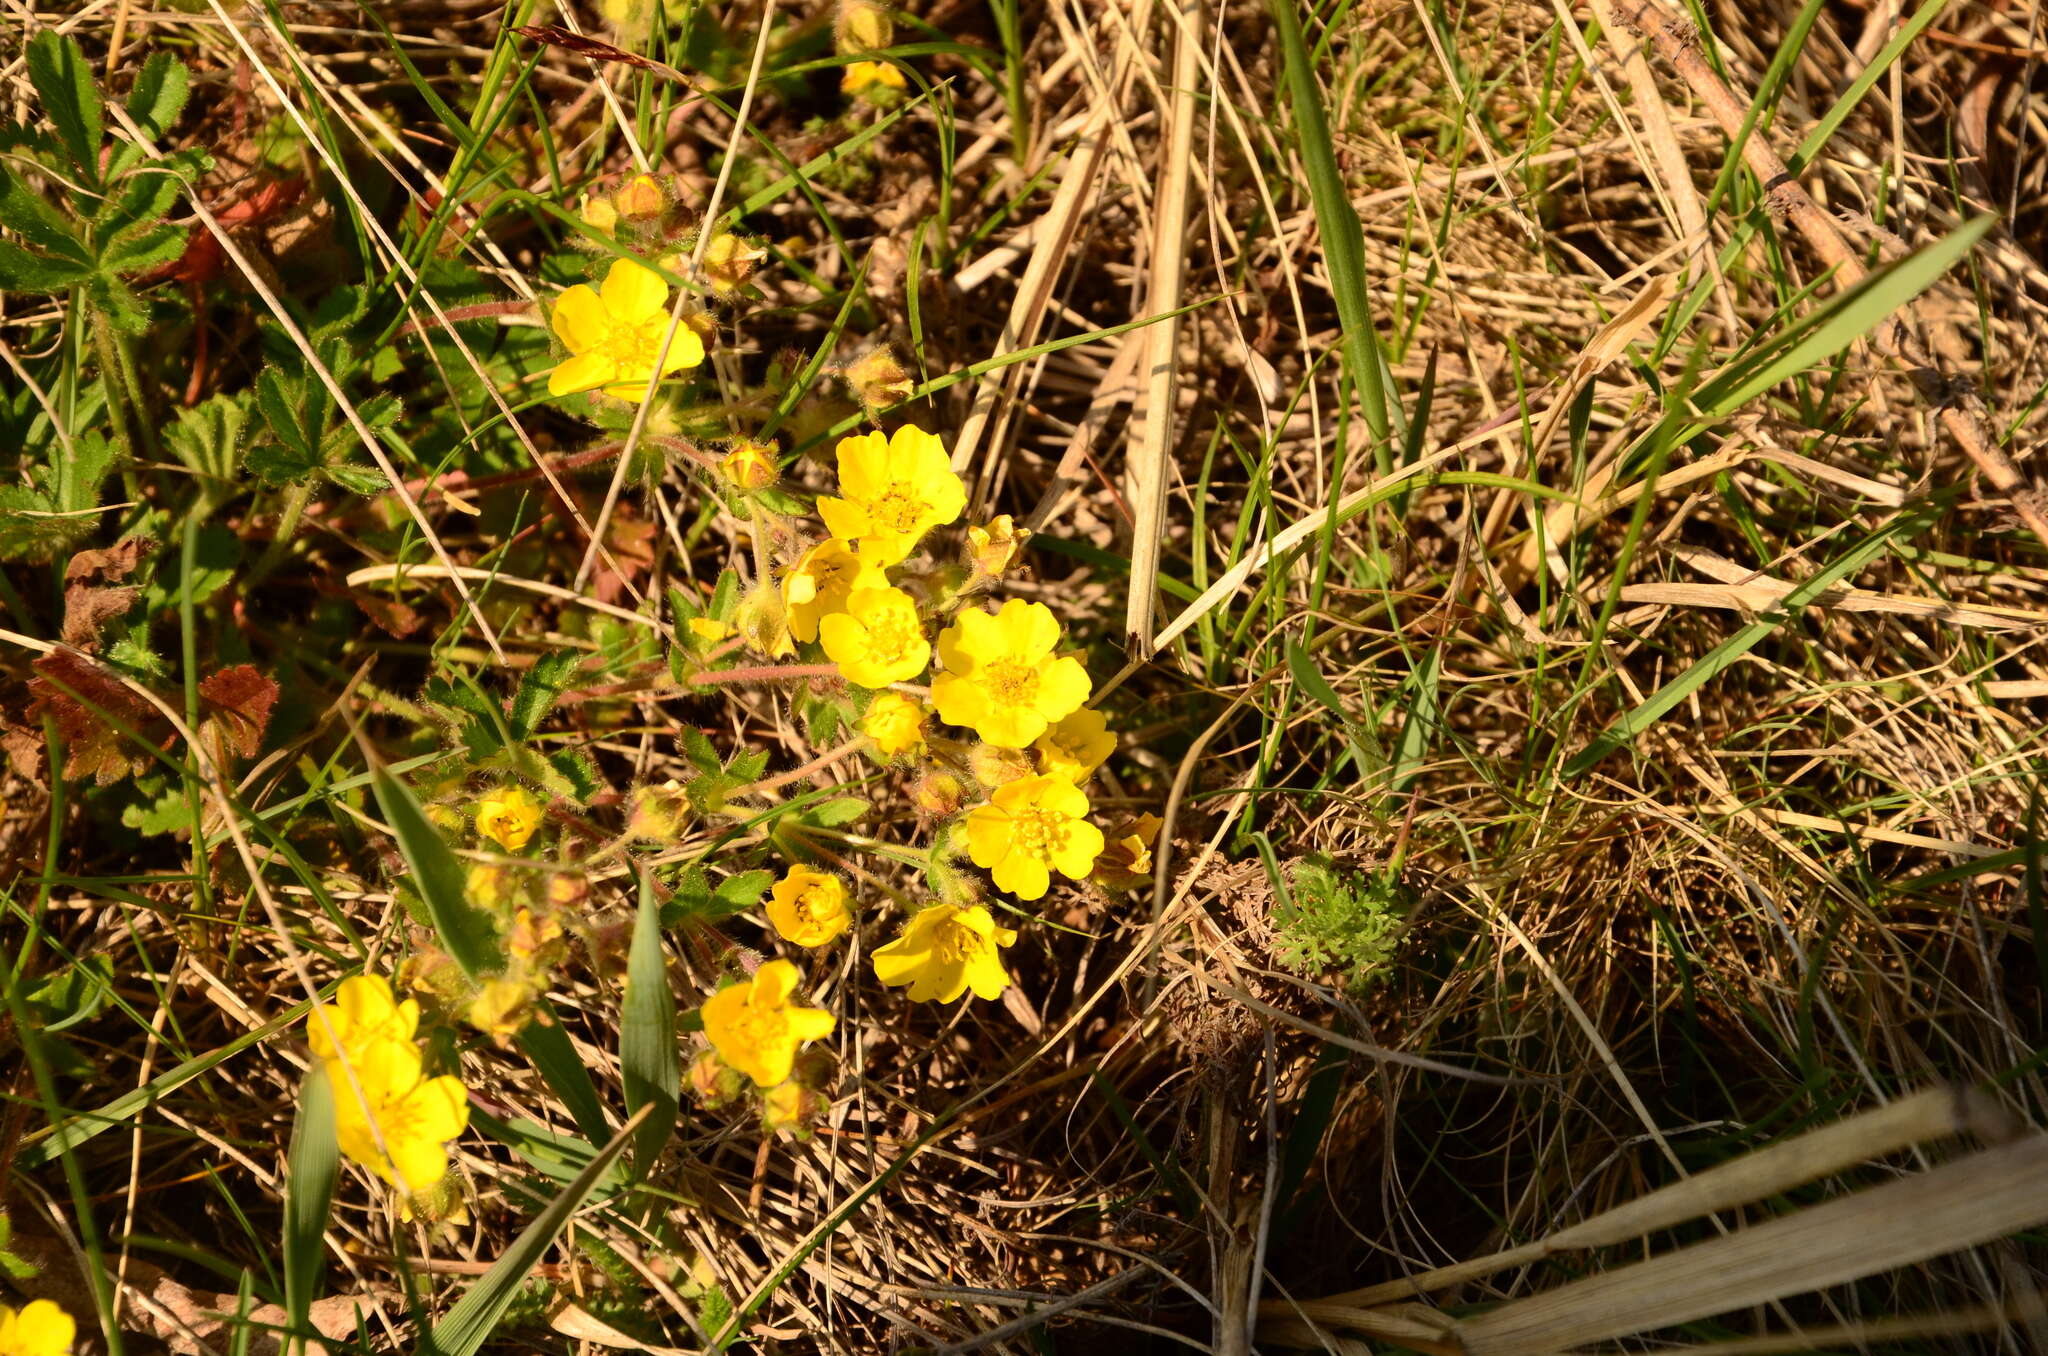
(91, 706)
(238, 702)
(110, 566)
(87, 609)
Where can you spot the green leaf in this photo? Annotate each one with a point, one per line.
(71, 100)
(93, 455)
(838, 811)
(313, 1165)
(697, 747)
(743, 890)
(117, 302)
(31, 528)
(26, 211)
(578, 772)
(159, 94)
(208, 437)
(647, 1038)
(540, 687)
(135, 250)
(276, 465)
(565, 1071)
(279, 397)
(21, 271)
(170, 812)
(73, 994)
(356, 478)
(466, 1327)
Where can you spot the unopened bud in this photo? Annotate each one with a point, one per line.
(994, 767)
(750, 466)
(712, 1081)
(863, 26)
(658, 812)
(599, 214)
(792, 1107)
(729, 260)
(762, 621)
(877, 379)
(937, 794)
(640, 198)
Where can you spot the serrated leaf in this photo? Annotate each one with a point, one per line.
(313, 1164)
(21, 271)
(747, 766)
(579, 772)
(71, 100)
(743, 890)
(30, 214)
(648, 1055)
(135, 250)
(170, 812)
(208, 436)
(698, 749)
(465, 1328)
(279, 398)
(540, 687)
(277, 465)
(118, 302)
(93, 455)
(145, 198)
(31, 527)
(355, 478)
(159, 93)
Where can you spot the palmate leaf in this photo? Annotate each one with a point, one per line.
(118, 303)
(30, 215)
(71, 100)
(142, 246)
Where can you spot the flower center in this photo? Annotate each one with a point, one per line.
(891, 636)
(897, 508)
(1039, 834)
(1012, 683)
(813, 907)
(956, 944)
(759, 1028)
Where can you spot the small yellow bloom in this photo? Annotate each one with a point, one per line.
(499, 1009)
(878, 640)
(944, 951)
(875, 81)
(895, 722)
(708, 631)
(1075, 747)
(599, 214)
(1029, 829)
(750, 466)
(39, 1329)
(615, 334)
(729, 260)
(893, 490)
(993, 549)
(819, 584)
(414, 1116)
(863, 26)
(364, 1013)
(641, 196)
(508, 817)
(808, 907)
(1001, 677)
(753, 1027)
(531, 932)
(1127, 858)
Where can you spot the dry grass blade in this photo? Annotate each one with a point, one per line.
(1956, 1205)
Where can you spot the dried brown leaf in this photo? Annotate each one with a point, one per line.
(238, 703)
(99, 717)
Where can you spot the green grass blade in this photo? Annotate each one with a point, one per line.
(1850, 316)
(647, 1039)
(466, 1327)
(472, 941)
(1634, 722)
(1865, 80)
(1336, 221)
(314, 1163)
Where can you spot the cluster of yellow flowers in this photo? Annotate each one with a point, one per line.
(389, 1115)
(41, 1328)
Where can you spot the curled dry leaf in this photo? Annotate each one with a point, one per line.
(238, 703)
(104, 723)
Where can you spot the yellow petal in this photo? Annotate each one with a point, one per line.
(1062, 687)
(685, 350)
(863, 467)
(580, 320)
(440, 1108)
(1076, 856)
(1007, 727)
(1030, 628)
(417, 1162)
(810, 1024)
(987, 977)
(633, 292)
(988, 835)
(843, 518)
(1023, 876)
(584, 372)
(43, 1329)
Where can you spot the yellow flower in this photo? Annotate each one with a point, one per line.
(944, 951)
(415, 1116)
(499, 1009)
(878, 640)
(599, 214)
(993, 549)
(895, 722)
(641, 196)
(753, 1027)
(808, 907)
(365, 1013)
(1001, 677)
(893, 490)
(750, 466)
(1029, 829)
(508, 816)
(863, 26)
(708, 631)
(40, 1329)
(873, 80)
(615, 334)
(820, 582)
(1075, 747)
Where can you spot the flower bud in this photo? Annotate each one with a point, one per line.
(599, 214)
(500, 1009)
(937, 794)
(877, 378)
(991, 550)
(863, 26)
(531, 933)
(729, 260)
(659, 812)
(567, 890)
(792, 1107)
(640, 198)
(494, 889)
(994, 767)
(712, 1081)
(762, 620)
(750, 466)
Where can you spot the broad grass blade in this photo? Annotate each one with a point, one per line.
(313, 1165)
(647, 1040)
(466, 1327)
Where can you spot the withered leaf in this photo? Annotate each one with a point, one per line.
(238, 702)
(90, 707)
(110, 566)
(87, 609)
